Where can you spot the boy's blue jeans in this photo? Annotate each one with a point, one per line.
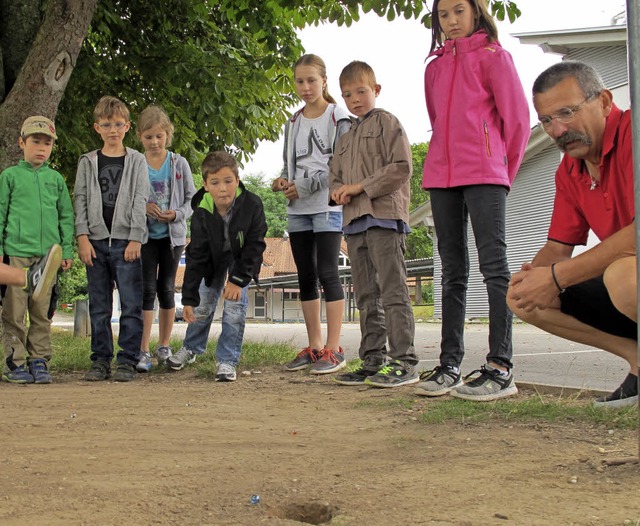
(109, 267)
(234, 317)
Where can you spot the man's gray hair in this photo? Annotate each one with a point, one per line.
(588, 79)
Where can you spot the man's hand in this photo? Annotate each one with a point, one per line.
(231, 292)
(533, 288)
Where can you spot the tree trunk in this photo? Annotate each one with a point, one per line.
(42, 80)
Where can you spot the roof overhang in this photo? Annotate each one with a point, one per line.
(560, 41)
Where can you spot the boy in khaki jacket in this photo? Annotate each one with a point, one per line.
(369, 176)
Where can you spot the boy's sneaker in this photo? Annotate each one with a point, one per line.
(624, 396)
(367, 368)
(394, 374)
(125, 372)
(305, 357)
(144, 364)
(98, 371)
(225, 373)
(439, 381)
(328, 362)
(19, 375)
(488, 384)
(42, 273)
(163, 353)
(38, 369)
(181, 358)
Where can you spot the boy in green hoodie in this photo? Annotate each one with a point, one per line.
(36, 217)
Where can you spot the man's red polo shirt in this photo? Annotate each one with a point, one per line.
(609, 206)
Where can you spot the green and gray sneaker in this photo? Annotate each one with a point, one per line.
(394, 374)
(485, 384)
(367, 368)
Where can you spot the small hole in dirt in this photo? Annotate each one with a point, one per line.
(308, 513)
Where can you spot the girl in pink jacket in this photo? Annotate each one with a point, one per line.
(480, 120)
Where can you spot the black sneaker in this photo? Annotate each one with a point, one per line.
(624, 396)
(42, 274)
(38, 369)
(367, 368)
(98, 372)
(125, 372)
(486, 384)
(394, 374)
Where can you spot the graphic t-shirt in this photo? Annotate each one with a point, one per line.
(313, 151)
(160, 182)
(109, 177)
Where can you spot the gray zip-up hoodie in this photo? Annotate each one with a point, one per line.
(130, 214)
(182, 190)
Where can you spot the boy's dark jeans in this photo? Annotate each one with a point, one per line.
(109, 267)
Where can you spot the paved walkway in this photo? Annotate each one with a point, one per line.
(538, 357)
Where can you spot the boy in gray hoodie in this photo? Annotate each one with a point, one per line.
(111, 192)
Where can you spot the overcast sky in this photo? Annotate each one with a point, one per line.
(396, 51)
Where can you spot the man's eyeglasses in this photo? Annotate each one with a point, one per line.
(565, 115)
(109, 125)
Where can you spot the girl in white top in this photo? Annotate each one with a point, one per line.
(315, 228)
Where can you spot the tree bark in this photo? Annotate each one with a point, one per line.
(43, 78)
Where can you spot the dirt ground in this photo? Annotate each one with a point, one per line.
(173, 449)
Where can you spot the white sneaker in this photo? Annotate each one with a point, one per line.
(144, 365)
(181, 358)
(226, 373)
(163, 353)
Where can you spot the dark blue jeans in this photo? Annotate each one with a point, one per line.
(486, 206)
(109, 268)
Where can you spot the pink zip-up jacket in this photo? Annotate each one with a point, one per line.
(479, 115)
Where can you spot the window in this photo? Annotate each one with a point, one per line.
(259, 308)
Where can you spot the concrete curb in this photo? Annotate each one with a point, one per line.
(558, 390)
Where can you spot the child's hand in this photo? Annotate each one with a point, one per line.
(187, 314)
(153, 210)
(231, 292)
(132, 252)
(343, 195)
(291, 192)
(66, 264)
(86, 253)
(279, 185)
(167, 216)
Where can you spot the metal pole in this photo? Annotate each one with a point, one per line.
(633, 40)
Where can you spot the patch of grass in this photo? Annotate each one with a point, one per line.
(72, 354)
(69, 353)
(423, 312)
(533, 408)
(254, 355)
